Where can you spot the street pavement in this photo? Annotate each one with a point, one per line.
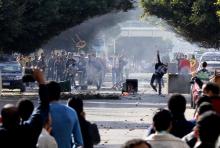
(122, 120)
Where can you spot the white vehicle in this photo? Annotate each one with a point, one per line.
(210, 56)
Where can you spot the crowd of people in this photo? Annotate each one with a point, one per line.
(50, 125)
(170, 128)
(186, 64)
(53, 124)
(86, 69)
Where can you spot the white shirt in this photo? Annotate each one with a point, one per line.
(45, 140)
(165, 140)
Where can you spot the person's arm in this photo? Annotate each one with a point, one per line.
(39, 116)
(158, 57)
(77, 135)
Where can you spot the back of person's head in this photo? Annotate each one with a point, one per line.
(208, 127)
(211, 89)
(205, 107)
(25, 108)
(76, 103)
(204, 64)
(177, 104)
(162, 120)
(136, 143)
(10, 116)
(203, 99)
(54, 91)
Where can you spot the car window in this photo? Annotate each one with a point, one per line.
(213, 65)
(10, 68)
(211, 58)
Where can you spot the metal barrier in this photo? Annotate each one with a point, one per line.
(172, 68)
(179, 83)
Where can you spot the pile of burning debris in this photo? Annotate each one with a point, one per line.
(91, 96)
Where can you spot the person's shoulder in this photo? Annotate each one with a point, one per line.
(215, 97)
(70, 110)
(150, 137)
(176, 139)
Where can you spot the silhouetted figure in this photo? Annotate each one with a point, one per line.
(13, 133)
(25, 109)
(162, 122)
(160, 70)
(208, 130)
(65, 123)
(90, 131)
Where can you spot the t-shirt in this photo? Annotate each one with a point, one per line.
(65, 124)
(203, 74)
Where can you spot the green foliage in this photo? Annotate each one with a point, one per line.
(196, 20)
(26, 24)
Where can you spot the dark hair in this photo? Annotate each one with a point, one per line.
(54, 90)
(10, 116)
(208, 127)
(76, 103)
(162, 120)
(177, 104)
(204, 64)
(135, 142)
(214, 88)
(204, 107)
(203, 99)
(25, 108)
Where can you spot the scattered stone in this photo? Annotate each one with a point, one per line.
(131, 129)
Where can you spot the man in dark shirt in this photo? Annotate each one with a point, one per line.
(180, 126)
(160, 70)
(89, 131)
(13, 133)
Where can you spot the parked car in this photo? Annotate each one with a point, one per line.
(210, 56)
(12, 73)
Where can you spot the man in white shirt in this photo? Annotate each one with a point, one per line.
(162, 122)
(45, 139)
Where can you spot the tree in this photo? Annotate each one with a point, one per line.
(26, 24)
(197, 20)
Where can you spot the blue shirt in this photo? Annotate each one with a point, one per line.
(65, 125)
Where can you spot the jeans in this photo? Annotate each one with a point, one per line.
(158, 79)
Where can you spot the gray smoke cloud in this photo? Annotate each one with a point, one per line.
(109, 26)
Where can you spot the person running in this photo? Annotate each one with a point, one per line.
(160, 70)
